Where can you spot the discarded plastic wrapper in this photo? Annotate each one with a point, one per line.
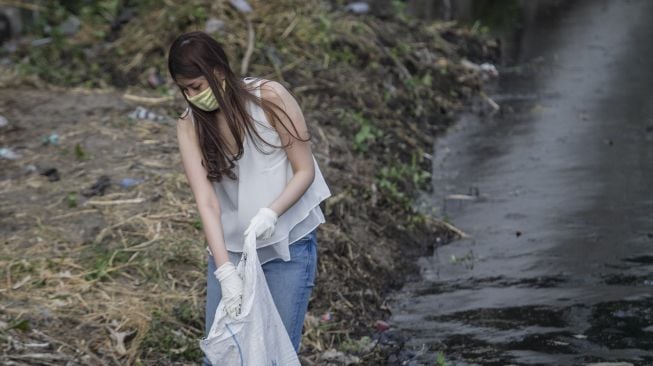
(257, 335)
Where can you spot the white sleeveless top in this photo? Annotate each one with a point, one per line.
(260, 180)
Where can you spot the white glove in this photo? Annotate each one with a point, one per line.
(263, 223)
(232, 288)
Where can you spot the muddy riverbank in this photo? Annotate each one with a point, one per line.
(554, 195)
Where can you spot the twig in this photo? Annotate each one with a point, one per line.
(250, 46)
(146, 100)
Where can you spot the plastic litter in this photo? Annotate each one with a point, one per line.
(326, 317)
(257, 335)
(130, 182)
(241, 5)
(3, 121)
(358, 7)
(381, 326)
(52, 139)
(214, 25)
(144, 113)
(8, 153)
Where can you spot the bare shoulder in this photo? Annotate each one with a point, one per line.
(275, 92)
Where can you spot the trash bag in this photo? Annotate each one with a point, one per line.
(257, 336)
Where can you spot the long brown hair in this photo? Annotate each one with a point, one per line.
(196, 54)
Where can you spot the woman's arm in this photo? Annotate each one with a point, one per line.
(299, 152)
(205, 198)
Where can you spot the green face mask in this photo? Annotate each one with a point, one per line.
(206, 100)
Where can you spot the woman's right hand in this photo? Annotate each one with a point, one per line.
(232, 288)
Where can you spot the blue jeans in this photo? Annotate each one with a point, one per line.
(290, 284)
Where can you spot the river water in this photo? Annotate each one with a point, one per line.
(556, 194)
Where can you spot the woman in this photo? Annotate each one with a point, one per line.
(246, 152)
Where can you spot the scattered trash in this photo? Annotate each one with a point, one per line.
(339, 358)
(214, 25)
(648, 329)
(326, 317)
(52, 139)
(622, 314)
(610, 364)
(381, 326)
(241, 5)
(559, 343)
(358, 7)
(70, 26)
(463, 197)
(154, 78)
(648, 282)
(580, 336)
(52, 174)
(130, 182)
(41, 42)
(3, 121)
(495, 107)
(30, 168)
(487, 70)
(8, 153)
(99, 187)
(144, 113)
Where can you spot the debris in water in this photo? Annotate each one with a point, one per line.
(214, 25)
(381, 326)
(486, 70)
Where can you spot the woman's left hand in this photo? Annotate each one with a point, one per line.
(263, 223)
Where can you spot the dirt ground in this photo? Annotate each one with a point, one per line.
(96, 270)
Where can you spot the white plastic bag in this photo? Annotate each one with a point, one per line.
(256, 337)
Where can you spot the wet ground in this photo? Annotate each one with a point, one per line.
(554, 192)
